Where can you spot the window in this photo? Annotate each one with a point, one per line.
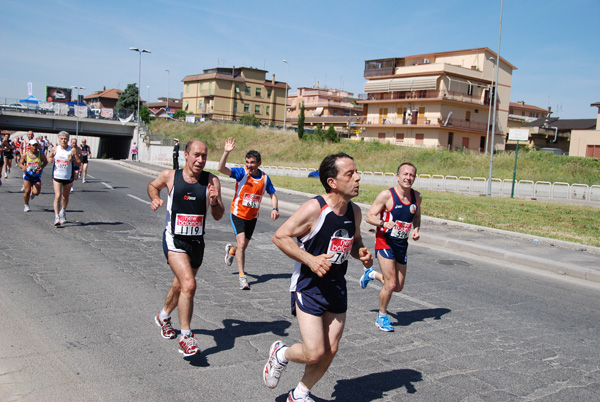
(201, 86)
(235, 106)
(269, 93)
(465, 142)
(247, 90)
(419, 138)
(237, 88)
(468, 116)
(246, 107)
(399, 138)
(381, 137)
(383, 112)
(258, 92)
(592, 151)
(268, 110)
(256, 109)
(450, 139)
(210, 88)
(187, 88)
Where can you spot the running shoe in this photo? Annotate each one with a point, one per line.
(62, 216)
(26, 208)
(383, 323)
(228, 257)
(32, 196)
(166, 328)
(244, 283)
(188, 345)
(365, 279)
(71, 189)
(83, 180)
(56, 220)
(22, 188)
(273, 368)
(5, 175)
(291, 398)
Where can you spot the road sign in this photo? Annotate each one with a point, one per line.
(518, 134)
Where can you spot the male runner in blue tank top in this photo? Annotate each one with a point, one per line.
(320, 236)
(395, 212)
(192, 194)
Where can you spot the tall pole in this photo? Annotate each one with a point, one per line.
(140, 51)
(487, 132)
(286, 91)
(168, 90)
(495, 104)
(76, 115)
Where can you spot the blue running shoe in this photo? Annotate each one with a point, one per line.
(383, 323)
(365, 279)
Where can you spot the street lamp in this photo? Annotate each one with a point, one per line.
(286, 91)
(168, 91)
(135, 49)
(75, 109)
(487, 133)
(495, 104)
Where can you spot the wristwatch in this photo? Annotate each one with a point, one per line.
(276, 209)
(381, 223)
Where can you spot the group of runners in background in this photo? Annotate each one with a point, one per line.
(319, 236)
(32, 155)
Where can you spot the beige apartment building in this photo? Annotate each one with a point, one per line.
(229, 93)
(436, 100)
(587, 142)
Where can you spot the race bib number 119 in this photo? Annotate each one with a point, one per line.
(188, 225)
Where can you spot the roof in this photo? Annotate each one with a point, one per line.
(450, 53)
(524, 105)
(107, 93)
(566, 124)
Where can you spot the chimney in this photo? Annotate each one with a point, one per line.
(273, 80)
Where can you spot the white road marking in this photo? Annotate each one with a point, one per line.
(90, 176)
(108, 186)
(139, 199)
(377, 285)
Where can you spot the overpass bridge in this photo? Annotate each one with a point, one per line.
(115, 137)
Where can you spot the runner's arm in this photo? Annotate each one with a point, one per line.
(359, 251)
(164, 179)
(417, 218)
(229, 146)
(377, 207)
(217, 209)
(299, 224)
(275, 204)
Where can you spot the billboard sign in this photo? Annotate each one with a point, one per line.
(58, 94)
(518, 134)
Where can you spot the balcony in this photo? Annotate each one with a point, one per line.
(371, 121)
(427, 95)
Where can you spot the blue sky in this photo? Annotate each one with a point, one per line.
(553, 44)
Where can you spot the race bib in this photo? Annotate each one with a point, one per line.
(32, 166)
(61, 164)
(340, 247)
(251, 200)
(401, 230)
(188, 225)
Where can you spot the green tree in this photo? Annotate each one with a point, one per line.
(319, 132)
(179, 114)
(301, 122)
(128, 100)
(331, 135)
(145, 114)
(250, 119)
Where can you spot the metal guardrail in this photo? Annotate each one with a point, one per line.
(467, 185)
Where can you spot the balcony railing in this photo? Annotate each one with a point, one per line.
(429, 94)
(414, 122)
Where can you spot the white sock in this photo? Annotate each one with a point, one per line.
(186, 332)
(372, 274)
(280, 355)
(381, 315)
(163, 315)
(301, 391)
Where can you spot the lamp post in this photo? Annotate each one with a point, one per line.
(495, 104)
(487, 133)
(135, 49)
(168, 91)
(76, 115)
(286, 93)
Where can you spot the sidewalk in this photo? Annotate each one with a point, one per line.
(515, 249)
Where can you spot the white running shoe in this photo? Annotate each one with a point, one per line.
(71, 189)
(228, 257)
(56, 220)
(62, 217)
(26, 208)
(244, 283)
(273, 368)
(188, 345)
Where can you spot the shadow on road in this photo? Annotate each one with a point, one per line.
(232, 329)
(405, 318)
(371, 387)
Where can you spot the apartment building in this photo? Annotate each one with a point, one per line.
(229, 93)
(324, 107)
(437, 100)
(587, 142)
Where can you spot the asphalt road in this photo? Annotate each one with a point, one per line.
(78, 304)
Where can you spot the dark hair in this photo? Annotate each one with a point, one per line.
(253, 154)
(406, 163)
(329, 168)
